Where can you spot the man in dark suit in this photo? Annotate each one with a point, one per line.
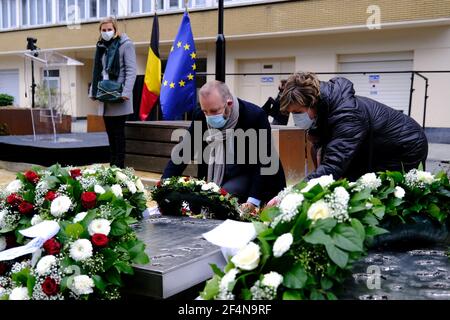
(236, 144)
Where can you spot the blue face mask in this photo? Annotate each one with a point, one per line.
(302, 120)
(217, 121)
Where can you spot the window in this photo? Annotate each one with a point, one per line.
(13, 12)
(114, 7)
(24, 12)
(40, 11)
(93, 8)
(82, 9)
(174, 4)
(4, 9)
(33, 13)
(62, 10)
(51, 85)
(103, 8)
(135, 6)
(48, 11)
(146, 6)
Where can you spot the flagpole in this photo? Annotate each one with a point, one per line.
(220, 47)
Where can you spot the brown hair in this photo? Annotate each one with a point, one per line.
(302, 88)
(114, 23)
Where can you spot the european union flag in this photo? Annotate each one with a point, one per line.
(178, 91)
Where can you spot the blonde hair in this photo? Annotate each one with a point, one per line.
(301, 88)
(114, 23)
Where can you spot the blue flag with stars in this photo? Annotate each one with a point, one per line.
(178, 90)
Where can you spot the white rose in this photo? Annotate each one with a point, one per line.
(140, 186)
(117, 190)
(99, 189)
(248, 257)
(166, 182)
(79, 217)
(290, 203)
(2, 243)
(82, 284)
(324, 181)
(60, 206)
(81, 250)
(181, 180)
(199, 182)
(399, 192)
(99, 226)
(272, 279)
(44, 265)
(425, 177)
(228, 278)
(89, 171)
(14, 186)
(282, 244)
(19, 293)
(319, 210)
(121, 177)
(131, 186)
(36, 220)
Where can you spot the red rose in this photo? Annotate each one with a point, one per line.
(88, 199)
(75, 173)
(183, 211)
(14, 199)
(50, 287)
(51, 246)
(32, 176)
(223, 192)
(25, 207)
(51, 195)
(3, 268)
(99, 240)
(158, 184)
(10, 240)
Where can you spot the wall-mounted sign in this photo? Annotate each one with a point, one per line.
(374, 78)
(266, 79)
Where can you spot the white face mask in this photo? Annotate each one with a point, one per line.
(302, 120)
(108, 35)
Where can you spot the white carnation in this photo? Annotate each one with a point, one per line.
(425, 177)
(324, 181)
(117, 190)
(131, 186)
(399, 192)
(210, 186)
(79, 217)
(248, 257)
(82, 284)
(44, 265)
(60, 206)
(89, 171)
(81, 250)
(36, 220)
(319, 210)
(290, 203)
(14, 186)
(2, 243)
(272, 279)
(99, 189)
(282, 244)
(19, 293)
(140, 186)
(228, 278)
(99, 226)
(121, 177)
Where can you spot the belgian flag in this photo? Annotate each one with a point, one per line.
(152, 78)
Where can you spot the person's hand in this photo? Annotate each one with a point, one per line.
(247, 207)
(275, 201)
(125, 98)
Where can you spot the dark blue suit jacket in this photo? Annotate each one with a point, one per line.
(263, 187)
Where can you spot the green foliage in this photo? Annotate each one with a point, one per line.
(6, 99)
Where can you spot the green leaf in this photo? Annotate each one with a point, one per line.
(107, 196)
(379, 211)
(359, 228)
(74, 230)
(296, 277)
(124, 267)
(119, 227)
(217, 270)
(337, 255)
(326, 283)
(370, 219)
(141, 258)
(357, 208)
(211, 289)
(325, 224)
(347, 238)
(269, 214)
(318, 237)
(246, 294)
(259, 227)
(316, 295)
(30, 284)
(110, 257)
(113, 277)
(21, 277)
(361, 195)
(99, 283)
(435, 211)
(292, 295)
(331, 296)
(138, 248)
(372, 231)
(265, 251)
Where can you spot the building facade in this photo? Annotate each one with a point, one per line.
(264, 38)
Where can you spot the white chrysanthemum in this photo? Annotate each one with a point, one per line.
(228, 278)
(121, 177)
(2, 243)
(324, 181)
(399, 192)
(369, 180)
(131, 186)
(117, 190)
(425, 177)
(81, 250)
(102, 226)
(290, 203)
(60, 206)
(89, 171)
(36, 220)
(319, 210)
(282, 244)
(44, 265)
(3, 214)
(140, 186)
(248, 257)
(272, 279)
(79, 217)
(19, 293)
(14, 186)
(82, 284)
(99, 189)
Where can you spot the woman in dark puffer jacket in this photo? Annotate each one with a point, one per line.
(355, 134)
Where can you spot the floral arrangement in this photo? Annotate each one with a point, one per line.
(93, 244)
(186, 196)
(306, 245)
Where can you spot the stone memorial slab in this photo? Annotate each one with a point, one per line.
(180, 256)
